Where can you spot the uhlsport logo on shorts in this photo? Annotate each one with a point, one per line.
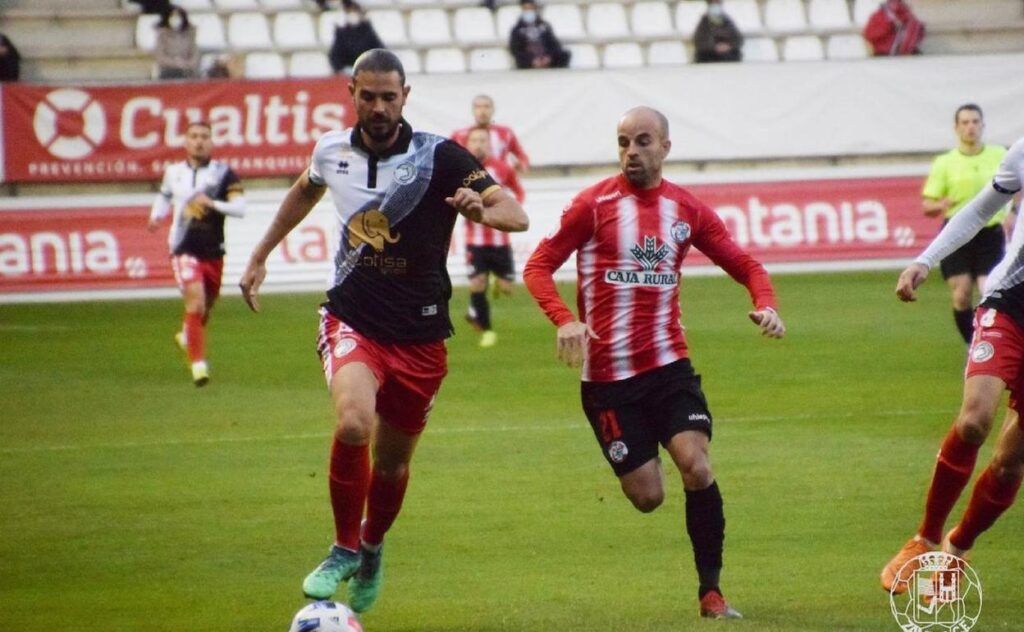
(936, 592)
(69, 123)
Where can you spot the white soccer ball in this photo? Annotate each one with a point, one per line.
(325, 616)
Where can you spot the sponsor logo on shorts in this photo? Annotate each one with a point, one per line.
(680, 232)
(344, 347)
(617, 451)
(699, 417)
(982, 352)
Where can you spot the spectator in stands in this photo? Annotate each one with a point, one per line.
(177, 55)
(533, 42)
(10, 60)
(352, 39)
(893, 29)
(154, 7)
(716, 37)
(226, 66)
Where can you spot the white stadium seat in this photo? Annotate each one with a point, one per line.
(281, 5)
(846, 47)
(825, 15)
(506, 18)
(667, 53)
(803, 48)
(483, 59)
(309, 64)
(584, 56)
(566, 20)
(294, 30)
(209, 31)
(249, 31)
(429, 27)
(445, 60)
(390, 26)
(862, 10)
(417, 4)
(410, 60)
(745, 14)
(760, 49)
(195, 5)
(264, 65)
(651, 19)
(237, 5)
(145, 31)
(329, 20)
(784, 16)
(606, 20)
(474, 25)
(377, 4)
(688, 15)
(623, 55)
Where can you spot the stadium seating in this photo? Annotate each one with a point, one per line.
(784, 16)
(862, 10)
(760, 49)
(651, 19)
(623, 55)
(688, 15)
(249, 31)
(264, 65)
(429, 27)
(846, 47)
(389, 26)
(584, 56)
(828, 15)
(410, 60)
(667, 53)
(566, 20)
(803, 48)
(309, 64)
(193, 6)
(746, 15)
(607, 20)
(489, 59)
(440, 60)
(145, 31)
(505, 19)
(237, 5)
(282, 5)
(209, 31)
(293, 30)
(474, 26)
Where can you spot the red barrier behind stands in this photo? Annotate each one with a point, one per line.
(115, 133)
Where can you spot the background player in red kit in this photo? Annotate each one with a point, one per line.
(198, 193)
(631, 233)
(503, 140)
(396, 194)
(489, 250)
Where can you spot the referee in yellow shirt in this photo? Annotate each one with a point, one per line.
(955, 177)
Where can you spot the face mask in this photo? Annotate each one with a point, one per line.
(529, 17)
(716, 11)
(352, 18)
(176, 22)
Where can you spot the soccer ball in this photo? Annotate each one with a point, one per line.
(325, 616)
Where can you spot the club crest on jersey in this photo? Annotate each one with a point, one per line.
(405, 173)
(371, 227)
(680, 232)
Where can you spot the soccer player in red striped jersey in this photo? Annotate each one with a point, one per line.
(489, 250)
(631, 233)
(504, 142)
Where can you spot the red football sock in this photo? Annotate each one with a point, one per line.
(194, 337)
(991, 497)
(349, 480)
(952, 473)
(383, 505)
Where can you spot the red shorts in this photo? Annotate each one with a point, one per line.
(997, 349)
(188, 269)
(408, 375)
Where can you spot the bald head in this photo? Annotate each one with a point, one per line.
(643, 145)
(647, 117)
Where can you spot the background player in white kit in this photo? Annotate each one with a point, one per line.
(198, 193)
(995, 363)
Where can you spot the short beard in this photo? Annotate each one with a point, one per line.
(640, 181)
(383, 137)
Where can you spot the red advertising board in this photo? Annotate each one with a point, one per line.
(115, 133)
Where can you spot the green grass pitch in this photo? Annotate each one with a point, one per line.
(129, 500)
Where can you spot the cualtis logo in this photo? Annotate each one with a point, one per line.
(69, 123)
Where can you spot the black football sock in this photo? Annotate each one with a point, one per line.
(483, 309)
(965, 323)
(705, 523)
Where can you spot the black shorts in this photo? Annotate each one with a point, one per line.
(631, 417)
(978, 256)
(496, 259)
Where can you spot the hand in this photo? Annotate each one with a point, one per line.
(468, 202)
(911, 279)
(252, 278)
(202, 200)
(769, 321)
(572, 342)
(722, 47)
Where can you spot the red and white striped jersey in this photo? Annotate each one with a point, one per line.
(478, 234)
(503, 143)
(630, 244)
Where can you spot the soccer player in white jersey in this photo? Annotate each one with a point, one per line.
(631, 233)
(995, 363)
(397, 194)
(198, 193)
